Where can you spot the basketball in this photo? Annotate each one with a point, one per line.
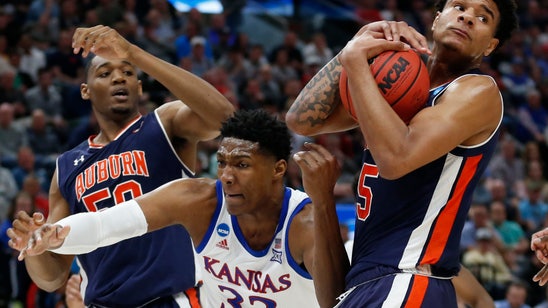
(402, 78)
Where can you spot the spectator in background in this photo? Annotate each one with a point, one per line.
(198, 61)
(517, 81)
(535, 174)
(257, 59)
(533, 118)
(282, 70)
(532, 211)
(516, 296)
(32, 58)
(514, 239)
(12, 136)
(11, 91)
(43, 139)
(293, 53)
(487, 264)
(508, 166)
(479, 218)
(46, 97)
(318, 48)
(8, 190)
(67, 67)
(182, 42)
(220, 35)
(26, 164)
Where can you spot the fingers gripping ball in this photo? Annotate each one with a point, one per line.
(403, 81)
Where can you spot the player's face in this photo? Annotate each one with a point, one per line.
(246, 174)
(112, 87)
(468, 27)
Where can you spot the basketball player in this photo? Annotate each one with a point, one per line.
(417, 180)
(259, 243)
(131, 155)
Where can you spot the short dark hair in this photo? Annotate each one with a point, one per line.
(259, 126)
(508, 18)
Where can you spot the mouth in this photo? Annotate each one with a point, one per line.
(461, 33)
(120, 94)
(233, 196)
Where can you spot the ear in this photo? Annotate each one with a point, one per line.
(84, 91)
(280, 167)
(140, 91)
(435, 20)
(492, 46)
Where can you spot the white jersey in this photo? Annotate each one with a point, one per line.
(235, 275)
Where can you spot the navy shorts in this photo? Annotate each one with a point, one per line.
(397, 289)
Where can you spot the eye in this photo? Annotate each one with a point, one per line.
(483, 19)
(104, 74)
(128, 73)
(221, 164)
(243, 165)
(459, 7)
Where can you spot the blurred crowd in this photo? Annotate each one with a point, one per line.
(42, 113)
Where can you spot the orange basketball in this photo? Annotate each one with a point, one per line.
(403, 81)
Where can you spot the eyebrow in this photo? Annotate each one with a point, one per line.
(109, 63)
(488, 10)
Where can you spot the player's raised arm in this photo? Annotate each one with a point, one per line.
(202, 98)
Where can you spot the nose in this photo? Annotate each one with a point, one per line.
(118, 76)
(466, 17)
(226, 175)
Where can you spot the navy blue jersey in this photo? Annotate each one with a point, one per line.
(91, 177)
(418, 218)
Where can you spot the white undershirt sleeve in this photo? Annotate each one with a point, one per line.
(89, 231)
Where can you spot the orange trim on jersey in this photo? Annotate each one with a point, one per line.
(98, 145)
(192, 295)
(418, 291)
(444, 223)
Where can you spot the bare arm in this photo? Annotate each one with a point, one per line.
(171, 203)
(209, 107)
(467, 114)
(470, 291)
(319, 236)
(318, 108)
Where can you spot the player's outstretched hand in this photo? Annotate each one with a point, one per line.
(539, 244)
(320, 170)
(22, 228)
(102, 41)
(48, 236)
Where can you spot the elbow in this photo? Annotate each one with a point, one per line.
(292, 122)
(392, 169)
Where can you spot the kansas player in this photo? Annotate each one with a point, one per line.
(131, 155)
(259, 242)
(417, 180)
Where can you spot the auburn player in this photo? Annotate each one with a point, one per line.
(417, 179)
(131, 155)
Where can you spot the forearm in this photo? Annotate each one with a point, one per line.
(330, 259)
(91, 230)
(49, 270)
(195, 92)
(318, 107)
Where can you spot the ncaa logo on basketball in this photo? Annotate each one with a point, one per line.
(393, 75)
(223, 230)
